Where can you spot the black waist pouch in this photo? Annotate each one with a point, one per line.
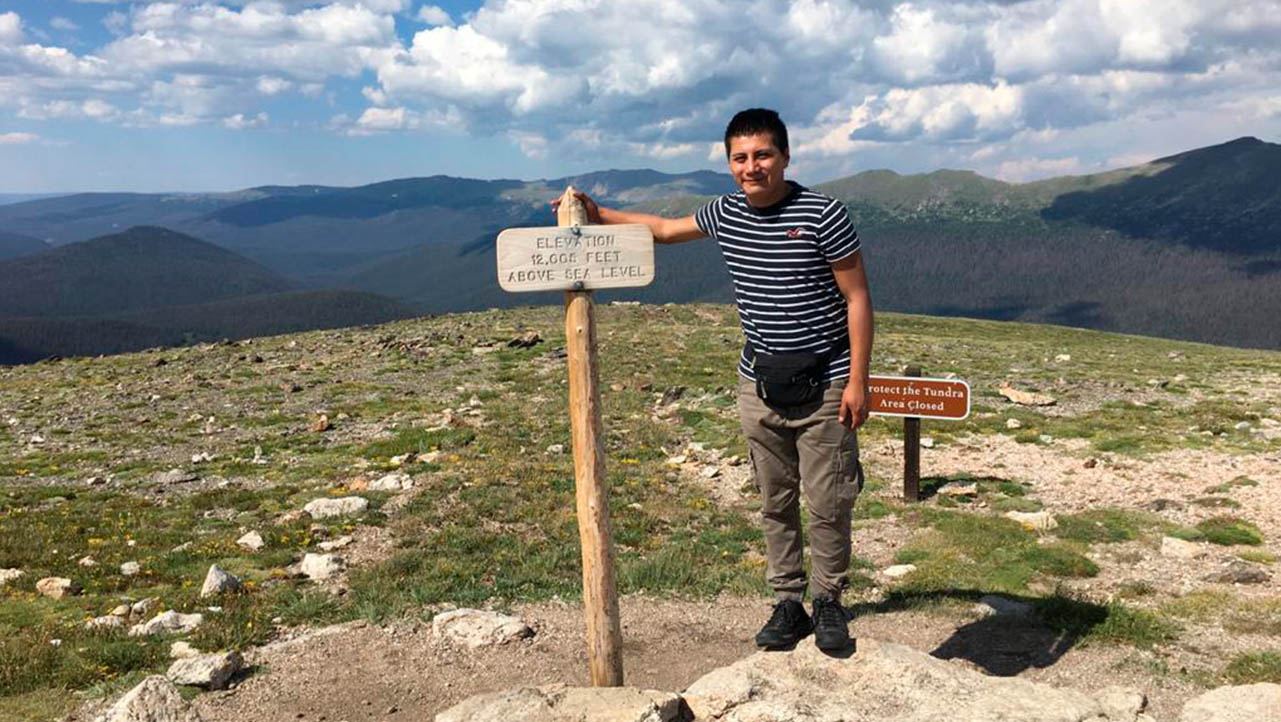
(789, 379)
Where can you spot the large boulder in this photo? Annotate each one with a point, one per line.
(211, 671)
(475, 628)
(57, 587)
(1244, 703)
(884, 681)
(325, 508)
(155, 699)
(218, 581)
(558, 703)
(321, 567)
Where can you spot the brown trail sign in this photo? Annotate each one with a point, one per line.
(577, 258)
(915, 398)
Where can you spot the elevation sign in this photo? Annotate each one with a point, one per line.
(577, 258)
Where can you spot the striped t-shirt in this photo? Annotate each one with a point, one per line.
(780, 260)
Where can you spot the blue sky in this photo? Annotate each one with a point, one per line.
(206, 95)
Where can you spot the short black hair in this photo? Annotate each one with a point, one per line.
(757, 120)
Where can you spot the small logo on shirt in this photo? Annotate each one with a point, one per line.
(794, 232)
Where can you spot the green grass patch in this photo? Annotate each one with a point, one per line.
(1230, 530)
(1112, 623)
(1258, 556)
(1228, 486)
(1105, 525)
(1254, 667)
(419, 441)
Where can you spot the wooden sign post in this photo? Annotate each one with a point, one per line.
(914, 398)
(577, 258)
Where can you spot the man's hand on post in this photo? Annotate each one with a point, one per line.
(589, 205)
(853, 404)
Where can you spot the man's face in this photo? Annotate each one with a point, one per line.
(757, 166)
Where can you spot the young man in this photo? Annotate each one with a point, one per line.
(801, 290)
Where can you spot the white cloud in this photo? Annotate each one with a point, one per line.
(382, 119)
(60, 23)
(10, 29)
(271, 85)
(434, 15)
(17, 138)
(115, 22)
(240, 122)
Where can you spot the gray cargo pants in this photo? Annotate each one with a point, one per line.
(803, 450)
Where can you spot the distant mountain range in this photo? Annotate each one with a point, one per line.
(152, 286)
(1187, 246)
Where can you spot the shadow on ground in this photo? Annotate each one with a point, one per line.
(1004, 645)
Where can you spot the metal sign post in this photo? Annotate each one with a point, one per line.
(577, 258)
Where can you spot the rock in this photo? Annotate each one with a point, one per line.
(155, 699)
(182, 650)
(10, 575)
(1062, 358)
(218, 582)
(87, 561)
(182, 547)
(1026, 398)
(558, 703)
(525, 340)
(57, 587)
(710, 472)
(320, 424)
(202, 457)
(338, 543)
(475, 628)
(959, 488)
(990, 604)
(1158, 383)
(325, 508)
(884, 681)
(402, 459)
(110, 621)
(1035, 520)
(677, 460)
(1120, 703)
(143, 608)
(130, 569)
(1242, 426)
(252, 541)
(1180, 549)
(1045, 438)
(1090, 463)
(1013, 424)
(121, 610)
(898, 570)
(556, 449)
(169, 621)
(927, 442)
(321, 567)
(1243, 703)
(1269, 423)
(395, 481)
(174, 476)
(211, 671)
(1240, 572)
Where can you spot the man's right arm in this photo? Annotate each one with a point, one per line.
(665, 230)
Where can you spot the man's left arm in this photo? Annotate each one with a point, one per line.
(851, 278)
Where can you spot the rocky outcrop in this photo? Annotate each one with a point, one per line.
(324, 508)
(569, 704)
(155, 699)
(884, 681)
(1244, 703)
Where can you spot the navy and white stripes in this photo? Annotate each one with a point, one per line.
(780, 260)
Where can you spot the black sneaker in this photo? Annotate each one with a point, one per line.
(788, 625)
(831, 626)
